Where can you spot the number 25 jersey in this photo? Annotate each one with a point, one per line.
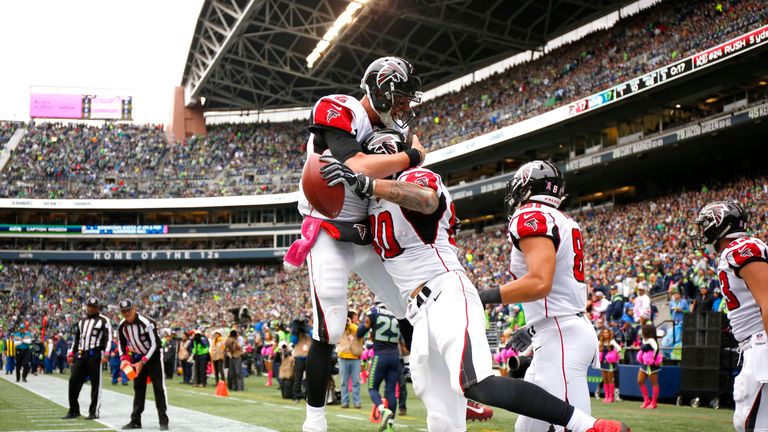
(569, 293)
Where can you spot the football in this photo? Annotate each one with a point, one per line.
(328, 200)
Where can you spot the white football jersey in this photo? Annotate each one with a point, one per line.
(569, 293)
(416, 247)
(743, 310)
(347, 114)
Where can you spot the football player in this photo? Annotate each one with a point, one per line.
(414, 221)
(547, 265)
(340, 126)
(386, 361)
(743, 273)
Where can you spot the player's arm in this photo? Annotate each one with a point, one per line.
(540, 257)
(363, 329)
(333, 128)
(106, 333)
(755, 275)
(76, 343)
(408, 195)
(122, 344)
(345, 148)
(380, 166)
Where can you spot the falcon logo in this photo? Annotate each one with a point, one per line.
(746, 252)
(362, 230)
(525, 174)
(332, 114)
(532, 224)
(715, 212)
(391, 71)
(383, 144)
(423, 182)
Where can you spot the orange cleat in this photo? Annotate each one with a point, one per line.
(602, 425)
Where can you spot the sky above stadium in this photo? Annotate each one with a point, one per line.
(137, 46)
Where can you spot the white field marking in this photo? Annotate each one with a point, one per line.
(288, 407)
(45, 420)
(120, 406)
(67, 430)
(349, 417)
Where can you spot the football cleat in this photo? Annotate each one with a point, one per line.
(387, 421)
(478, 412)
(602, 425)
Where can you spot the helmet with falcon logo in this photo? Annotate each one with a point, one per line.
(719, 219)
(538, 181)
(391, 85)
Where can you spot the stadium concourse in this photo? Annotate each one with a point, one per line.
(77, 161)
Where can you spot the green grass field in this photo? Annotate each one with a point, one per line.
(263, 406)
(22, 410)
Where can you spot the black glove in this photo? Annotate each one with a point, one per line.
(336, 172)
(520, 340)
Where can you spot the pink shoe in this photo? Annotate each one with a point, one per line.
(645, 404)
(651, 405)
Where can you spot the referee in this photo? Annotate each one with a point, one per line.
(140, 345)
(91, 341)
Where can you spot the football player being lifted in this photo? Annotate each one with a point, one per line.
(547, 265)
(743, 272)
(414, 222)
(332, 248)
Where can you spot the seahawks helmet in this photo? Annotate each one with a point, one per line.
(538, 181)
(391, 85)
(717, 220)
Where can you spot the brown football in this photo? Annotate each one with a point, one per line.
(325, 199)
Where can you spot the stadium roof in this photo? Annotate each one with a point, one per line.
(252, 54)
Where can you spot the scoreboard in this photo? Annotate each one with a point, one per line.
(88, 107)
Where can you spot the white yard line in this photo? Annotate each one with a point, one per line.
(66, 430)
(116, 410)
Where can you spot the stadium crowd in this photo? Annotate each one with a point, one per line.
(638, 44)
(136, 161)
(7, 128)
(632, 251)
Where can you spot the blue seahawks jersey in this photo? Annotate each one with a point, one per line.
(386, 331)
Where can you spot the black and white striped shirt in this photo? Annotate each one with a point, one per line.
(93, 333)
(139, 337)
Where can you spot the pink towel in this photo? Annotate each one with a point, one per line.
(300, 248)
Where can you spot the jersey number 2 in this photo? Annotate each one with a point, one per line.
(384, 241)
(730, 299)
(578, 258)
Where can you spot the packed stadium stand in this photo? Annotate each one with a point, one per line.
(644, 243)
(131, 161)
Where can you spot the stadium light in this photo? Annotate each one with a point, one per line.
(345, 18)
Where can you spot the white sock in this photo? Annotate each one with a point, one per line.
(382, 408)
(580, 421)
(315, 411)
